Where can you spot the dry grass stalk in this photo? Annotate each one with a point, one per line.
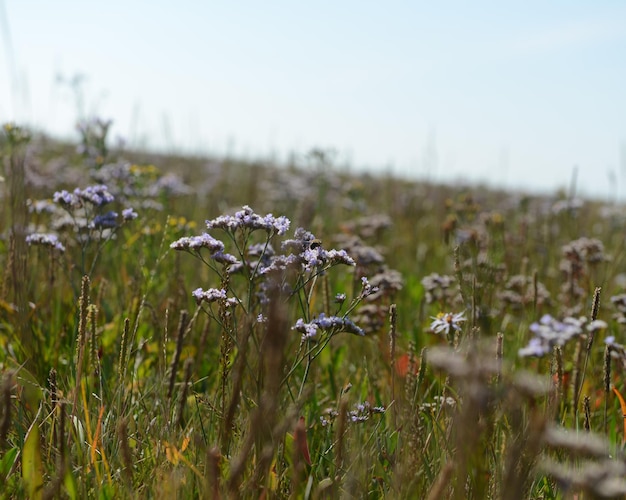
(264, 420)
(180, 335)
(499, 355)
(183, 394)
(587, 412)
(577, 375)
(5, 407)
(442, 483)
(393, 320)
(94, 341)
(271, 370)
(83, 302)
(212, 472)
(606, 378)
(125, 451)
(121, 368)
(595, 307)
(558, 379)
(342, 420)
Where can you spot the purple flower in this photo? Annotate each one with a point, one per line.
(205, 240)
(65, 198)
(224, 258)
(47, 240)
(334, 324)
(105, 221)
(246, 218)
(97, 195)
(550, 332)
(210, 295)
(129, 214)
(367, 288)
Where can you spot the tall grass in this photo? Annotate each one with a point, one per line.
(348, 336)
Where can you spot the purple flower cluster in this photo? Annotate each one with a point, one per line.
(213, 295)
(129, 214)
(205, 240)
(97, 195)
(550, 332)
(362, 412)
(312, 258)
(333, 324)
(367, 288)
(104, 221)
(46, 240)
(246, 218)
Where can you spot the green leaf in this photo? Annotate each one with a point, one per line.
(32, 469)
(71, 488)
(7, 462)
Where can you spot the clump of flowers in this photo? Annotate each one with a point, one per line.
(328, 324)
(291, 271)
(248, 220)
(441, 288)
(550, 332)
(521, 290)
(619, 303)
(579, 258)
(85, 215)
(360, 412)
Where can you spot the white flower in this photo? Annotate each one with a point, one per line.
(444, 322)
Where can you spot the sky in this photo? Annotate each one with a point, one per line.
(522, 95)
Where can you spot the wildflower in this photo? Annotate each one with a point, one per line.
(41, 206)
(549, 332)
(362, 412)
(246, 218)
(129, 214)
(48, 240)
(65, 198)
(97, 195)
(197, 242)
(108, 220)
(339, 257)
(444, 322)
(367, 288)
(210, 295)
(224, 258)
(334, 324)
(301, 241)
(308, 330)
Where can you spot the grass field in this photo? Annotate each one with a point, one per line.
(189, 328)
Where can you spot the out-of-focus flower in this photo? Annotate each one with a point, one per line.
(104, 221)
(367, 288)
(334, 324)
(444, 322)
(550, 332)
(210, 295)
(129, 214)
(439, 287)
(47, 240)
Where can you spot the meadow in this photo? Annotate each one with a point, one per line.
(176, 327)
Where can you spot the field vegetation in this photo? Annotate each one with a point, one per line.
(179, 327)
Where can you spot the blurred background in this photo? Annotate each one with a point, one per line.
(528, 96)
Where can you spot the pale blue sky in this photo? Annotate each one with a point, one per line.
(515, 94)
